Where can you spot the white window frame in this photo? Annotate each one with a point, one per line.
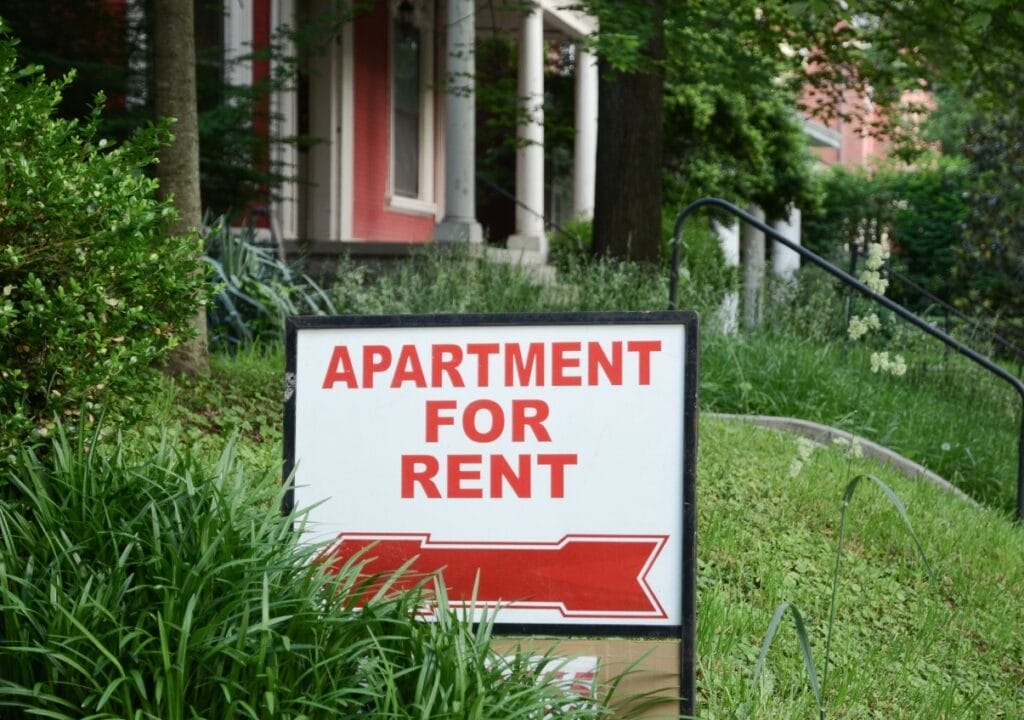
(424, 203)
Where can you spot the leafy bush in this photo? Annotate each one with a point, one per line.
(450, 280)
(256, 290)
(927, 230)
(701, 260)
(918, 211)
(989, 267)
(438, 279)
(571, 244)
(152, 586)
(92, 291)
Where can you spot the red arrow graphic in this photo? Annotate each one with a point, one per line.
(579, 576)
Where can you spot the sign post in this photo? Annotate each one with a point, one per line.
(545, 463)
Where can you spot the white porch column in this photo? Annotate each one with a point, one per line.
(529, 233)
(237, 42)
(786, 262)
(459, 223)
(284, 218)
(752, 244)
(585, 154)
(729, 240)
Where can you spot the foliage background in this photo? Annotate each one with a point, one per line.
(918, 210)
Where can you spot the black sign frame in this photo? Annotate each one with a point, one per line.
(685, 632)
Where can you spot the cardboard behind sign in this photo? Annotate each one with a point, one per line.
(650, 667)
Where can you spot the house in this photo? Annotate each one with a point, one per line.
(851, 142)
(389, 102)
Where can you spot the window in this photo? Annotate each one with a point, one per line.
(405, 115)
(412, 108)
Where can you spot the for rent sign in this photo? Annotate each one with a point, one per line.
(545, 463)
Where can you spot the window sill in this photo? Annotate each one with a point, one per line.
(412, 206)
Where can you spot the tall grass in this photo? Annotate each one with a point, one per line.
(443, 280)
(945, 413)
(150, 585)
(902, 645)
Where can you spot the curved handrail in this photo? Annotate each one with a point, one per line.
(979, 324)
(863, 289)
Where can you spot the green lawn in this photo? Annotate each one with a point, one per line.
(903, 647)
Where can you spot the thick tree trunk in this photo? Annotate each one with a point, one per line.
(174, 95)
(628, 191)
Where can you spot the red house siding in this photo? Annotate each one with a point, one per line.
(372, 130)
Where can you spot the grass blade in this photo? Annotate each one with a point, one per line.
(805, 650)
(851, 487)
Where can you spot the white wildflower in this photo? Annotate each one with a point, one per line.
(804, 448)
(856, 450)
(874, 280)
(858, 328)
(878, 361)
(851, 446)
(899, 366)
(894, 365)
(877, 255)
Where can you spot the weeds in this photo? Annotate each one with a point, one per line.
(819, 689)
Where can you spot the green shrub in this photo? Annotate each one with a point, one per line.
(918, 211)
(989, 264)
(700, 255)
(148, 585)
(571, 244)
(701, 260)
(92, 291)
(443, 280)
(437, 279)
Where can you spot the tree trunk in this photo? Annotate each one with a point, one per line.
(628, 191)
(174, 95)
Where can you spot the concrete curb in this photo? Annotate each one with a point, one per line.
(826, 434)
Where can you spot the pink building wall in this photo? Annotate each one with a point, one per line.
(857, 146)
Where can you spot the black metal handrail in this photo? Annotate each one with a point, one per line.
(977, 323)
(853, 282)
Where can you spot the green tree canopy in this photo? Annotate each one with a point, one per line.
(731, 70)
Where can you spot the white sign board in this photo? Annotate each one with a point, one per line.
(538, 462)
